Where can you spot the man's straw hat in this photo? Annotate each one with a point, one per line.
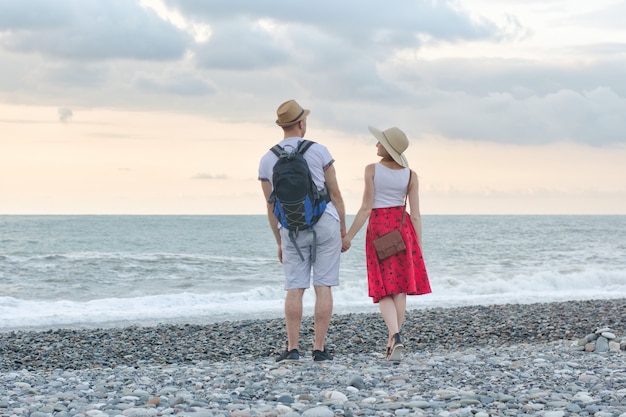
(290, 113)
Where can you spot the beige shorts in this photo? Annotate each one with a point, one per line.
(325, 269)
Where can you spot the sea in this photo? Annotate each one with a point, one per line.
(84, 271)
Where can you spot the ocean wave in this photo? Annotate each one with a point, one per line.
(85, 271)
(267, 300)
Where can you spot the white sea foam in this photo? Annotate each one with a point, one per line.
(94, 271)
(267, 301)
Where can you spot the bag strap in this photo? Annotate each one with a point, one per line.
(406, 196)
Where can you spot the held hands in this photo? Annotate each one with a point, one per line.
(345, 244)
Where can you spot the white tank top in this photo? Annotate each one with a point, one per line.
(390, 186)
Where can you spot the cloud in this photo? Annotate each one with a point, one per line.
(203, 176)
(89, 30)
(601, 49)
(610, 16)
(365, 22)
(65, 114)
(249, 35)
(83, 75)
(352, 62)
(240, 45)
(39, 14)
(179, 83)
(592, 117)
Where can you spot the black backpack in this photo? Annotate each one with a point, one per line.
(298, 204)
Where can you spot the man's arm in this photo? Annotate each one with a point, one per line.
(330, 177)
(273, 221)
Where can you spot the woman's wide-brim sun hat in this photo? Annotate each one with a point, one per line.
(290, 113)
(394, 141)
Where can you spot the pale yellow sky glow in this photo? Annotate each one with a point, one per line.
(109, 162)
(511, 107)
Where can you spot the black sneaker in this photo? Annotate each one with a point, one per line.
(288, 355)
(321, 355)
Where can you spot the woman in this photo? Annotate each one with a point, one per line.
(388, 185)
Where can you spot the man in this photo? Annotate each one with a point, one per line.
(323, 259)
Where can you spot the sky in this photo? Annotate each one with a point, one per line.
(166, 106)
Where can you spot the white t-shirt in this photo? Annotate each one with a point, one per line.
(317, 157)
(390, 186)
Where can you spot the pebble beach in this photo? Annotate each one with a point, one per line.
(499, 360)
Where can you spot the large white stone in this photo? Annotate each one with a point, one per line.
(584, 397)
(608, 335)
(614, 347)
(557, 413)
(319, 412)
(140, 412)
(337, 396)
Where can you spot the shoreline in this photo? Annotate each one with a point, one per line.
(425, 330)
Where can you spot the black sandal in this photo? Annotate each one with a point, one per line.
(396, 349)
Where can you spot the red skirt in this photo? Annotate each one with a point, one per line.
(404, 272)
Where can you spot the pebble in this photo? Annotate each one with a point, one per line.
(168, 373)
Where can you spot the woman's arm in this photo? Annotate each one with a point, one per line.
(414, 204)
(366, 207)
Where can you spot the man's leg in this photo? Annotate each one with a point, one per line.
(323, 313)
(325, 275)
(293, 316)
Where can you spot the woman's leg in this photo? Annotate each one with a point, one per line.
(393, 309)
(399, 301)
(388, 310)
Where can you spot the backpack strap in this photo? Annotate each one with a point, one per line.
(277, 150)
(292, 236)
(304, 145)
